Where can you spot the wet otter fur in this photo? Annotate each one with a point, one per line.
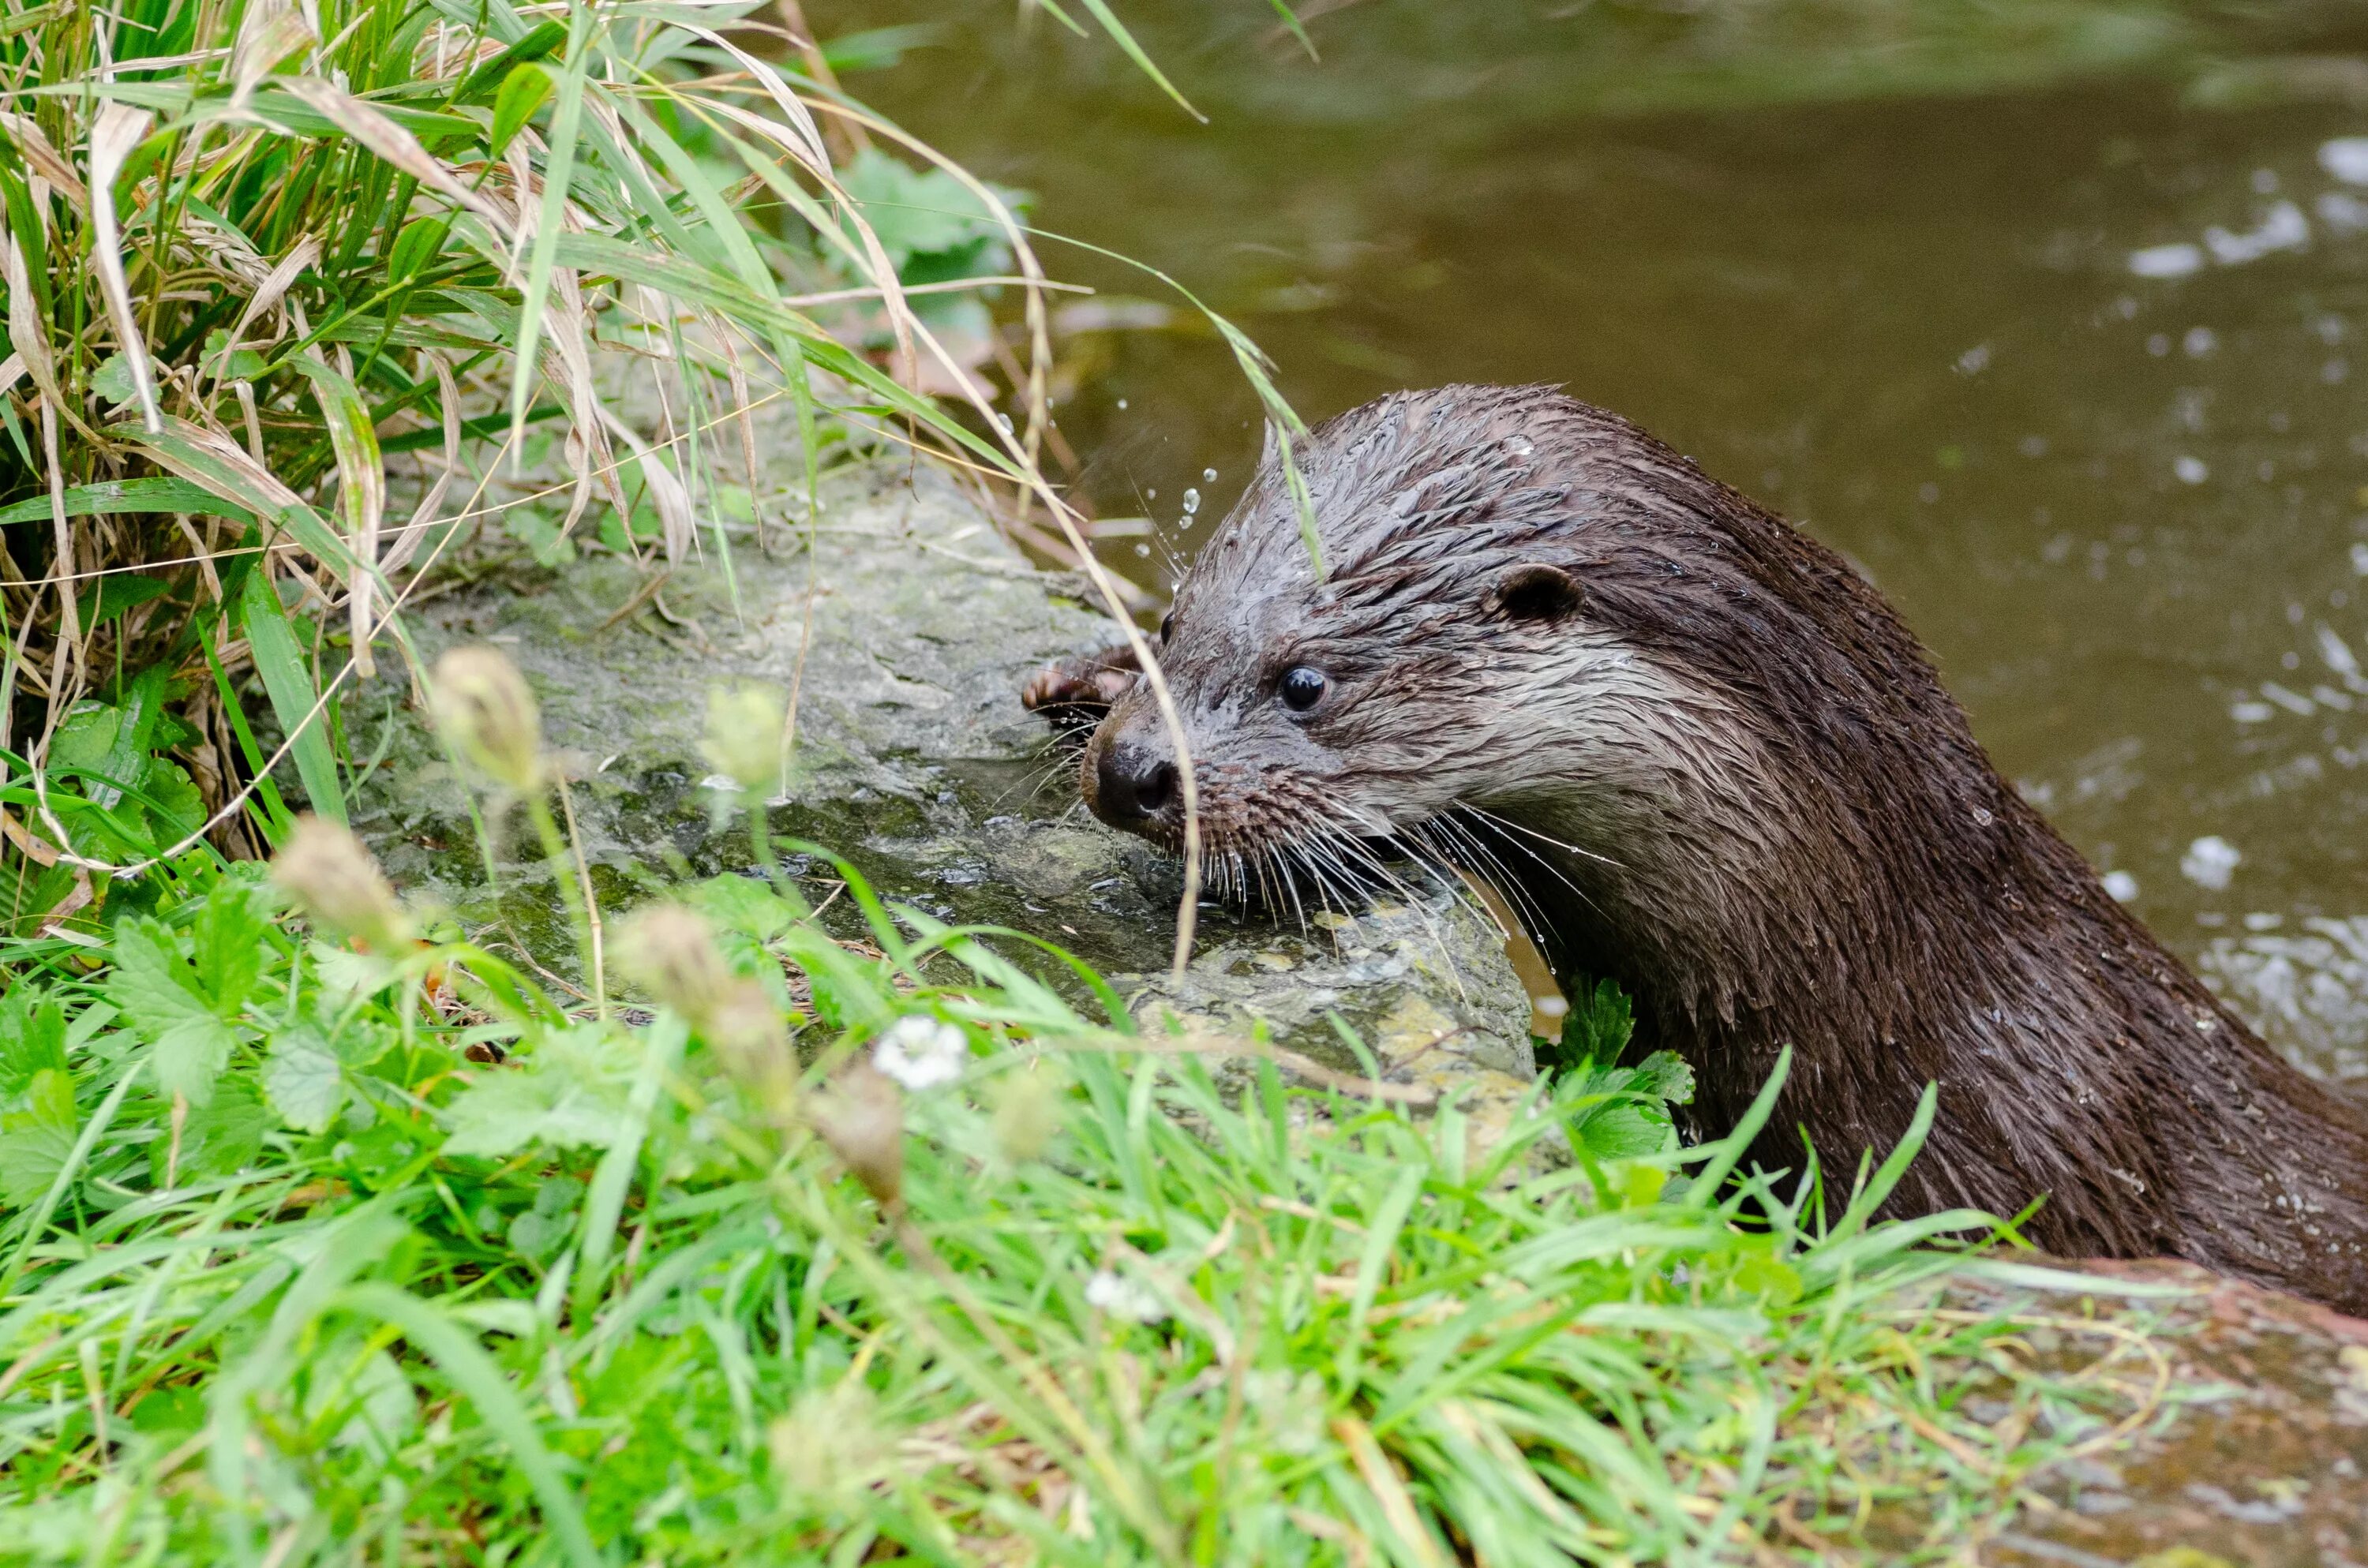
(1713, 765)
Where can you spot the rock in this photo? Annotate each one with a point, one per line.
(916, 761)
(2256, 1453)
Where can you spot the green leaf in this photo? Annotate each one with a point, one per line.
(522, 92)
(558, 181)
(86, 735)
(173, 804)
(926, 212)
(538, 43)
(116, 497)
(243, 364)
(415, 251)
(158, 992)
(304, 1081)
(32, 1038)
(570, 1094)
(190, 1057)
(345, 977)
(1133, 51)
(220, 1136)
(1594, 1033)
(369, 1385)
(231, 944)
(117, 592)
(1665, 1076)
(126, 761)
(113, 380)
(877, 49)
(482, 1385)
(36, 1142)
(744, 904)
(532, 528)
(290, 686)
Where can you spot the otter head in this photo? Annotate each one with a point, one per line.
(1470, 652)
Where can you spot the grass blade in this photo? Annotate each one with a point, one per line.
(289, 684)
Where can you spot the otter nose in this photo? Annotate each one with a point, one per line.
(1133, 785)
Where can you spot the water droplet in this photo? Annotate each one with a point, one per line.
(1191, 502)
(2191, 469)
(1121, 402)
(1143, 550)
(1208, 476)
(1150, 494)
(1003, 423)
(2210, 863)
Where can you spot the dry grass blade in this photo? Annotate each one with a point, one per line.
(116, 131)
(264, 299)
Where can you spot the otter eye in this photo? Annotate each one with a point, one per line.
(1302, 687)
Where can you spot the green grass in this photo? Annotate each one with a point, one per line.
(318, 1253)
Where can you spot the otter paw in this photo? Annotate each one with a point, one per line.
(1079, 690)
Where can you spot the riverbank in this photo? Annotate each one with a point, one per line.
(1290, 1260)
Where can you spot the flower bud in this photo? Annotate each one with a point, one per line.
(863, 1119)
(671, 952)
(1027, 1111)
(747, 1031)
(331, 876)
(830, 1447)
(483, 706)
(744, 734)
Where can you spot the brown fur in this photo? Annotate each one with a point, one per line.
(1713, 765)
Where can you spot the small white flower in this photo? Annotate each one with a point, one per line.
(1120, 1297)
(921, 1052)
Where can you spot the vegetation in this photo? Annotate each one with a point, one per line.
(484, 257)
(374, 1251)
(328, 1235)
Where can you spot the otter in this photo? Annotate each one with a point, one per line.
(1709, 761)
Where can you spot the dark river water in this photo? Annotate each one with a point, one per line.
(2062, 335)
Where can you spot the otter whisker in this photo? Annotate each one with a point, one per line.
(1511, 825)
(1500, 876)
(1496, 825)
(1414, 899)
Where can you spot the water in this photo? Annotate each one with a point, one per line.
(2070, 361)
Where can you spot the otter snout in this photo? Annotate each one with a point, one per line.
(1128, 782)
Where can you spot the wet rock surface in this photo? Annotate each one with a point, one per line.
(915, 760)
(2257, 1455)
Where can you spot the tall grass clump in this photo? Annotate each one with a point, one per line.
(298, 296)
(340, 1241)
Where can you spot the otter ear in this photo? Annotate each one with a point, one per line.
(1537, 593)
